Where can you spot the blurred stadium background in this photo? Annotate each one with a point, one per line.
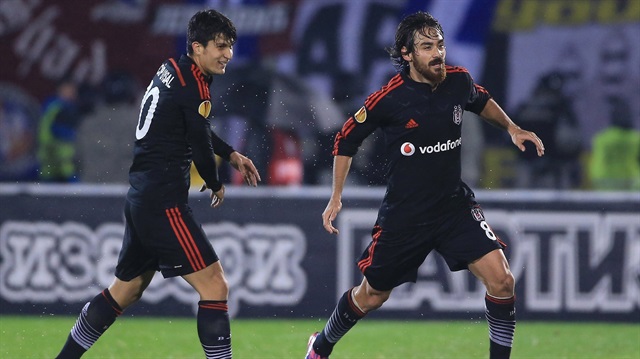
(569, 70)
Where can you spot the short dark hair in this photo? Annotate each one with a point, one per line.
(416, 22)
(206, 25)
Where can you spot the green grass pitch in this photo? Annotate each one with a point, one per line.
(41, 337)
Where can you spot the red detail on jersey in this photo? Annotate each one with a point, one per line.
(411, 124)
(480, 89)
(184, 237)
(203, 87)
(454, 69)
(365, 263)
(346, 128)
(375, 97)
(215, 306)
(178, 72)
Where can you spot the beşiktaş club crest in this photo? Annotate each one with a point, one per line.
(476, 213)
(457, 114)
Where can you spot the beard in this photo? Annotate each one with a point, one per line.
(432, 73)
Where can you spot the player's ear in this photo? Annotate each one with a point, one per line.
(197, 48)
(405, 54)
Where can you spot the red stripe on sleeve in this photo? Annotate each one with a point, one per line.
(346, 128)
(481, 89)
(175, 66)
(374, 98)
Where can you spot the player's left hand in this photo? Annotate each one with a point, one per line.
(246, 168)
(519, 136)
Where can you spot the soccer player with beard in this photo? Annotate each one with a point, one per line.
(426, 206)
(161, 232)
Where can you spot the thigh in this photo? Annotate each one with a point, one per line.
(468, 237)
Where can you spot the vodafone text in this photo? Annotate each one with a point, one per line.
(408, 148)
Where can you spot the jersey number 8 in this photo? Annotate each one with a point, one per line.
(487, 230)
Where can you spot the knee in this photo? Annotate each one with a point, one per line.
(371, 300)
(502, 285)
(126, 297)
(220, 282)
(216, 288)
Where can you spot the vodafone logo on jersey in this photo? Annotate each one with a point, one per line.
(408, 149)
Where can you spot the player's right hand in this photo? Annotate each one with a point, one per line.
(216, 197)
(329, 215)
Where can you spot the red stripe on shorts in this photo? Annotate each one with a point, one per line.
(186, 240)
(365, 263)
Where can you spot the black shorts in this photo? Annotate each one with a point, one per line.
(461, 237)
(168, 240)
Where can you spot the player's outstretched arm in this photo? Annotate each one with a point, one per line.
(494, 114)
(246, 168)
(341, 165)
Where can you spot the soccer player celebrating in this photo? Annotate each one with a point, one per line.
(426, 206)
(161, 233)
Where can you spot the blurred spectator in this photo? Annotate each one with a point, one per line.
(57, 134)
(18, 122)
(615, 157)
(277, 119)
(549, 113)
(105, 137)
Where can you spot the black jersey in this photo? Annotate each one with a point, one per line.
(174, 130)
(422, 136)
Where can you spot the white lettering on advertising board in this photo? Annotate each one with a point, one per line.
(568, 261)
(48, 262)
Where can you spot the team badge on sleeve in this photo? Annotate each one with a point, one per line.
(476, 213)
(205, 108)
(361, 115)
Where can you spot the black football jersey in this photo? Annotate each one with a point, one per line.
(422, 138)
(174, 130)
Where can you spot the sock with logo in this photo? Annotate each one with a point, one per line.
(214, 329)
(344, 317)
(501, 316)
(94, 319)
